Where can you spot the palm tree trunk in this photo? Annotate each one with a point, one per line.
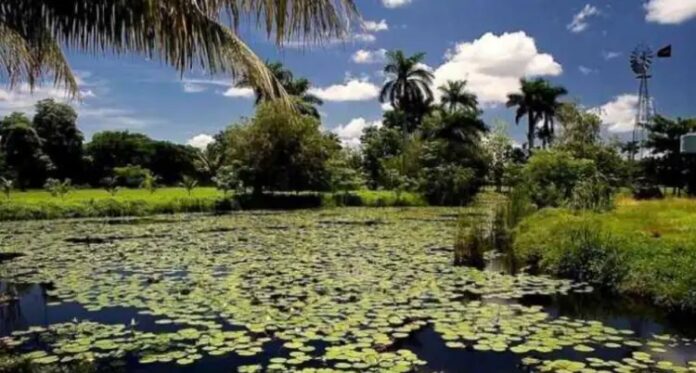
(531, 131)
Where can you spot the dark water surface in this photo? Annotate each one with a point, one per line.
(33, 307)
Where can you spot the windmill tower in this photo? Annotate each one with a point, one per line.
(641, 61)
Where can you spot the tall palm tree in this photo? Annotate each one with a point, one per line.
(298, 89)
(455, 96)
(408, 81)
(528, 103)
(182, 33)
(549, 108)
(459, 127)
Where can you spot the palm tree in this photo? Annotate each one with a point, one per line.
(528, 103)
(305, 103)
(455, 96)
(182, 33)
(549, 108)
(408, 82)
(459, 128)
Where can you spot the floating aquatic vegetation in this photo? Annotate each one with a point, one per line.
(336, 294)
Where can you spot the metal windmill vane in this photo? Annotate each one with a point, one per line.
(641, 63)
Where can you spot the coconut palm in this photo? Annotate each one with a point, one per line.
(408, 81)
(455, 97)
(549, 108)
(528, 103)
(182, 33)
(298, 89)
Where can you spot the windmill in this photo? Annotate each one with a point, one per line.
(641, 61)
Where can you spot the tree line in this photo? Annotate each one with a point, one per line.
(443, 149)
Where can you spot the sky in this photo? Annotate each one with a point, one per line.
(582, 45)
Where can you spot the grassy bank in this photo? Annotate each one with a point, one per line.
(645, 248)
(137, 202)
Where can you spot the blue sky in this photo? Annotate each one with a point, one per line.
(583, 45)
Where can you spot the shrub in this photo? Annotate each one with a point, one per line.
(227, 180)
(470, 244)
(450, 185)
(593, 193)
(553, 175)
(150, 182)
(131, 176)
(58, 188)
(189, 184)
(6, 186)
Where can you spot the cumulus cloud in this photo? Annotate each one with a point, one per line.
(395, 3)
(23, 99)
(579, 22)
(239, 92)
(200, 141)
(364, 56)
(376, 26)
(670, 12)
(493, 64)
(350, 133)
(353, 89)
(619, 114)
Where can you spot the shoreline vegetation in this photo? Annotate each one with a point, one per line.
(91, 203)
(641, 248)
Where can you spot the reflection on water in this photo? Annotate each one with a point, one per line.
(33, 307)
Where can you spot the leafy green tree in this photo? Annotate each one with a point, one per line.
(55, 123)
(379, 144)
(111, 149)
(278, 150)
(552, 175)
(21, 146)
(131, 176)
(183, 34)
(499, 147)
(408, 86)
(455, 97)
(171, 161)
(227, 180)
(671, 168)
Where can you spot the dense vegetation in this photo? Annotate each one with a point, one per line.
(646, 248)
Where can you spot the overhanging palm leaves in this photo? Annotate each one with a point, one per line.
(182, 33)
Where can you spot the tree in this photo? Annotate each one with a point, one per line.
(379, 144)
(180, 33)
(278, 150)
(457, 128)
(188, 183)
(455, 97)
(21, 146)
(408, 85)
(500, 152)
(55, 123)
(111, 149)
(171, 161)
(538, 100)
(664, 141)
(298, 89)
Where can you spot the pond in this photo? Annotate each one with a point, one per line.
(321, 290)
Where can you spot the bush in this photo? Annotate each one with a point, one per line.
(470, 244)
(553, 175)
(450, 185)
(593, 193)
(131, 176)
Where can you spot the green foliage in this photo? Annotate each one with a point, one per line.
(471, 242)
(55, 124)
(407, 87)
(150, 182)
(538, 100)
(110, 184)
(280, 151)
(378, 145)
(6, 186)
(449, 184)
(643, 248)
(58, 188)
(131, 176)
(553, 175)
(22, 149)
(227, 180)
(189, 184)
(593, 193)
(667, 166)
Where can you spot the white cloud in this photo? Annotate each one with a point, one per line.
(352, 89)
(584, 70)
(193, 87)
(493, 64)
(239, 92)
(350, 133)
(108, 118)
(579, 23)
(200, 141)
(23, 99)
(395, 3)
(376, 26)
(364, 56)
(611, 55)
(670, 12)
(387, 106)
(365, 38)
(620, 113)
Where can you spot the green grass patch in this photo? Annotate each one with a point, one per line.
(39, 204)
(645, 248)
